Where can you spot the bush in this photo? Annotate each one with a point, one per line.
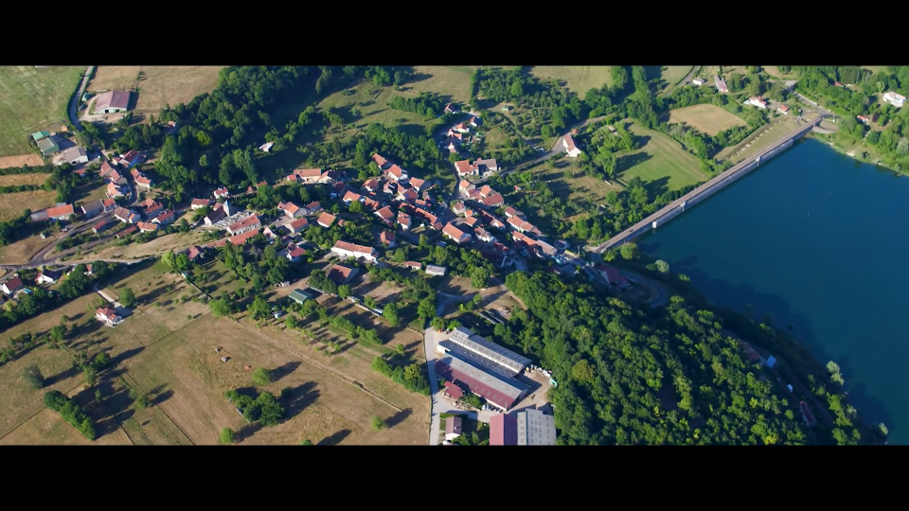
(261, 376)
(227, 436)
(71, 413)
(377, 423)
(33, 377)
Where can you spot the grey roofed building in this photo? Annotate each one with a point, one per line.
(495, 389)
(75, 155)
(435, 270)
(48, 146)
(498, 354)
(459, 352)
(92, 208)
(111, 102)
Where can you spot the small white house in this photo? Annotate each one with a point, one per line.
(894, 99)
(698, 81)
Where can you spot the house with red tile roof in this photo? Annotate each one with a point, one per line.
(61, 212)
(386, 214)
(312, 208)
(108, 316)
(380, 161)
(326, 219)
(221, 192)
(293, 253)
(417, 183)
(758, 102)
(455, 234)
(12, 285)
(165, 218)
(483, 235)
(351, 197)
(147, 226)
(612, 276)
(240, 239)
(407, 196)
(387, 238)
(511, 212)
(199, 203)
(567, 144)
(340, 274)
(298, 225)
(414, 265)
(251, 223)
(783, 109)
(290, 209)
(404, 220)
(372, 185)
(312, 176)
(464, 168)
(345, 249)
(494, 201)
(397, 173)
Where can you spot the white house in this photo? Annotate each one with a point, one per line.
(108, 316)
(345, 249)
(757, 101)
(698, 81)
(894, 99)
(570, 148)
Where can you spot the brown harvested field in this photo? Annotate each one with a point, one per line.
(159, 86)
(13, 204)
(709, 119)
(22, 251)
(31, 159)
(48, 428)
(154, 247)
(449, 81)
(23, 179)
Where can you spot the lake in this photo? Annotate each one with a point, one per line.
(821, 242)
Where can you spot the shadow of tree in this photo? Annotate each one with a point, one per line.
(336, 438)
(398, 418)
(284, 370)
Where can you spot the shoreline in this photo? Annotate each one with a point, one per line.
(853, 156)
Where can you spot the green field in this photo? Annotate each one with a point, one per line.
(578, 79)
(451, 82)
(31, 100)
(660, 161)
(674, 74)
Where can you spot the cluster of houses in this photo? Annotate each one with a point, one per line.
(112, 172)
(151, 217)
(455, 136)
(48, 144)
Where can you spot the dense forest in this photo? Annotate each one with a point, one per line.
(632, 377)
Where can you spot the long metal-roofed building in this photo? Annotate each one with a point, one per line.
(482, 363)
(500, 355)
(501, 392)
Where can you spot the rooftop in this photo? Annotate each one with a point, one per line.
(498, 354)
(499, 391)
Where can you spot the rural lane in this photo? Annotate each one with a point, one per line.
(72, 110)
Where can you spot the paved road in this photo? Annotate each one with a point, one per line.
(709, 187)
(74, 101)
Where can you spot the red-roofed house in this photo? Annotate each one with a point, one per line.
(386, 214)
(311, 208)
(417, 183)
(464, 168)
(494, 201)
(483, 235)
(326, 219)
(240, 239)
(221, 192)
(372, 185)
(407, 196)
(341, 274)
(351, 197)
(312, 176)
(108, 316)
(165, 218)
(387, 238)
(147, 226)
(783, 109)
(404, 220)
(612, 276)
(486, 191)
(455, 234)
(414, 265)
(758, 102)
(451, 389)
(290, 209)
(720, 84)
(380, 161)
(397, 173)
(568, 145)
(61, 212)
(511, 212)
(12, 285)
(293, 253)
(249, 224)
(298, 225)
(458, 207)
(199, 203)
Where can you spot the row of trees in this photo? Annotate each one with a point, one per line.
(411, 376)
(71, 413)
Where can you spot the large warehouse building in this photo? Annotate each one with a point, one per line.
(527, 427)
(483, 368)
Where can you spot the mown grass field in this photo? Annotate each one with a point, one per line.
(760, 139)
(31, 100)
(158, 86)
(166, 350)
(709, 119)
(673, 74)
(661, 162)
(449, 81)
(578, 79)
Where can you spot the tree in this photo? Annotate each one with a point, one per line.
(377, 423)
(258, 308)
(390, 313)
(261, 376)
(344, 291)
(90, 375)
(427, 308)
(369, 302)
(168, 258)
(58, 333)
(479, 277)
(399, 349)
(33, 377)
(220, 307)
(662, 266)
(127, 298)
(227, 436)
(142, 402)
(629, 251)
(438, 323)
(356, 207)
(306, 442)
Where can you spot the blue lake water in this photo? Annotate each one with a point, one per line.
(820, 241)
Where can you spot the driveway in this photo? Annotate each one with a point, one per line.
(77, 96)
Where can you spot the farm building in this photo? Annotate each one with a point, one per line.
(111, 102)
(501, 392)
(48, 146)
(38, 135)
(300, 295)
(74, 156)
(435, 270)
(527, 427)
(498, 354)
(61, 212)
